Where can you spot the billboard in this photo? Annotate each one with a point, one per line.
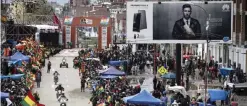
(179, 22)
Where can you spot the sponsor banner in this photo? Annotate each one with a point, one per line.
(86, 21)
(68, 20)
(179, 22)
(104, 37)
(68, 33)
(104, 21)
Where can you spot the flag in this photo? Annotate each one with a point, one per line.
(56, 21)
(41, 105)
(29, 100)
(20, 70)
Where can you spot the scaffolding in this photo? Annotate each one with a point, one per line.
(20, 18)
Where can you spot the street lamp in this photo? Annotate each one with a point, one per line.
(207, 56)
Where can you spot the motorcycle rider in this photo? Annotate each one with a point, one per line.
(64, 60)
(56, 74)
(59, 88)
(49, 67)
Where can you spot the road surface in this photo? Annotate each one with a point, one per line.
(69, 78)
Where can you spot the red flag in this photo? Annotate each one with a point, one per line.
(56, 21)
(41, 105)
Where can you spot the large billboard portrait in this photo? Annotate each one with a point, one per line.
(186, 22)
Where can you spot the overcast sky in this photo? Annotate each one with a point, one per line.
(61, 1)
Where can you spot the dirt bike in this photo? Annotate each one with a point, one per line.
(55, 79)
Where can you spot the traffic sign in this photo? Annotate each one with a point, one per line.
(162, 70)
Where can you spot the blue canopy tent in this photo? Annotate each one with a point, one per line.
(19, 57)
(19, 63)
(203, 104)
(128, 97)
(169, 75)
(4, 95)
(108, 77)
(225, 71)
(15, 76)
(143, 98)
(112, 71)
(217, 94)
(116, 63)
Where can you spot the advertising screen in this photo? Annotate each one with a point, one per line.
(179, 22)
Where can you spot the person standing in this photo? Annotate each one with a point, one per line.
(83, 81)
(49, 67)
(38, 78)
(154, 83)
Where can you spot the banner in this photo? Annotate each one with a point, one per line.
(104, 37)
(68, 20)
(68, 33)
(179, 22)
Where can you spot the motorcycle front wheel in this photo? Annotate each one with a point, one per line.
(63, 104)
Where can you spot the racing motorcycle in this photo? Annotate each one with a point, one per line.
(63, 100)
(55, 79)
(59, 92)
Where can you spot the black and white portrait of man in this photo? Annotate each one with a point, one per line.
(186, 27)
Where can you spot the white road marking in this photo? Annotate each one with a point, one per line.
(52, 86)
(67, 86)
(67, 80)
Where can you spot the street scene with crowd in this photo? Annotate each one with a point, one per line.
(115, 77)
(100, 56)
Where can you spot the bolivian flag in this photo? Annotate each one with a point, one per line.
(30, 101)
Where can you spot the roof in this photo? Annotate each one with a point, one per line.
(45, 26)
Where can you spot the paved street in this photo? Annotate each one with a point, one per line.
(70, 80)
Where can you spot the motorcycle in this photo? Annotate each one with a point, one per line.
(64, 63)
(63, 101)
(59, 92)
(63, 104)
(55, 79)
